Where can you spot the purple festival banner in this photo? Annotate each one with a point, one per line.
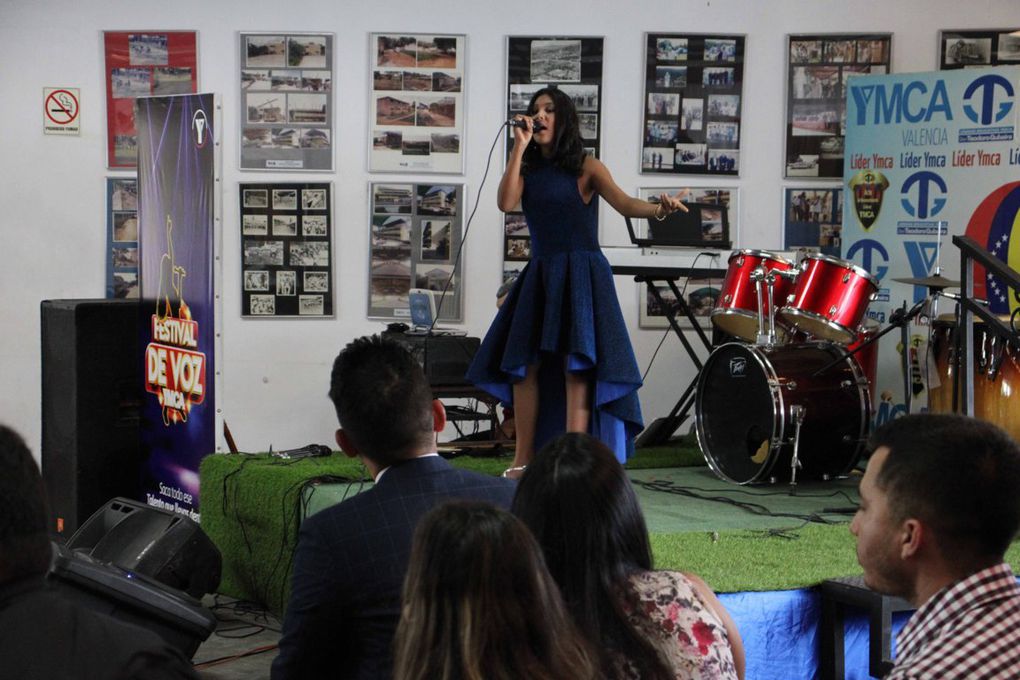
(176, 182)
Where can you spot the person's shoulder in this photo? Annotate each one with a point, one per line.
(96, 642)
(479, 486)
(592, 165)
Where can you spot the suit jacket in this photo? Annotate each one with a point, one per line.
(46, 637)
(349, 570)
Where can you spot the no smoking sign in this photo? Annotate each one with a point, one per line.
(60, 111)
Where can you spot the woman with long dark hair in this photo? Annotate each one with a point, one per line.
(576, 499)
(560, 339)
(479, 604)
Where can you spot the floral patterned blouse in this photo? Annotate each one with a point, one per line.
(692, 638)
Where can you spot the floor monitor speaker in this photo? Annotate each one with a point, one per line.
(161, 544)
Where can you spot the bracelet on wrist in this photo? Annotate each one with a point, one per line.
(656, 215)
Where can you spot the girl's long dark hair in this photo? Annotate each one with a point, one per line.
(479, 604)
(579, 504)
(568, 149)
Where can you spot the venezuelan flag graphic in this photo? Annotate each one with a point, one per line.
(993, 225)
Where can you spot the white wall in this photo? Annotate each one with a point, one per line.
(52, 221)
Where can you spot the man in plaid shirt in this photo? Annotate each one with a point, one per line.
(940, 504)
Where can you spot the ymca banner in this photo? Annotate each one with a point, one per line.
(177, 244)
(929, 156)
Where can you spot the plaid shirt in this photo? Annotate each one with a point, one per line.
(970, 630)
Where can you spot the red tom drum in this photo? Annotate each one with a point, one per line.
(736, 310)
(829, 299)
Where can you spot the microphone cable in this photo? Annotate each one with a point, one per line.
(467, 228)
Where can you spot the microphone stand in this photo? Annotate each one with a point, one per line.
(899, 319)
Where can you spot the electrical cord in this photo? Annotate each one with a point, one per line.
(467, 228)
(666, 486)
(683, 291)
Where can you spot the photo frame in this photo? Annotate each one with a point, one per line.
(417, 103)
(818, 67)
(142, 64)
(692, 104)
(415, 232)
(121, 237)
(573, 65)
(286, 250)
(701, 294)
(813, 219)
(960, 48)
(286, 101)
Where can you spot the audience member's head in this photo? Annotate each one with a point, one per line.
(24, 543)
(939, 489)
(480, 604)
(383, 401)
(576, 499)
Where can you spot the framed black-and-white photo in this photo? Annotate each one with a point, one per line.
(121, 237)
(286, 98)
(286, 249)
(692, 104)
(700, 294)
(818, 67)
(978, 48)
(415, 234)
(571, 64)
(417, 103)
(256, 280)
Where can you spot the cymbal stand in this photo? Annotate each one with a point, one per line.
(899, 319)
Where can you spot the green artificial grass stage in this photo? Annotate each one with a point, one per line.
(252, 507)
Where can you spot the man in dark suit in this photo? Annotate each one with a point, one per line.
(351, 558)
(42, 635)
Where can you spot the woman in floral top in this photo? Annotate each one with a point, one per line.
(576, 498)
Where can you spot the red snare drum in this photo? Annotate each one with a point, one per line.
(829, 298)
(736, 310)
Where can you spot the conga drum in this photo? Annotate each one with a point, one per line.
(995, 396)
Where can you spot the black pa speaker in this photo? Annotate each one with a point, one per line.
(163, 545)
(134, 598)
(91, 396)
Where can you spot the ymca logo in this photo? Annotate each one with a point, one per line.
(200, 128)
(872, 252)
(985, 108)
(928, 203)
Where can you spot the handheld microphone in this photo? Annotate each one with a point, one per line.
(536, 126)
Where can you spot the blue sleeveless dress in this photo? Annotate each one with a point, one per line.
(563, 305)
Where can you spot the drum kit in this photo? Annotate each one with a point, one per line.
(792, 393)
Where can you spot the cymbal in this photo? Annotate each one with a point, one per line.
(937, 281)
